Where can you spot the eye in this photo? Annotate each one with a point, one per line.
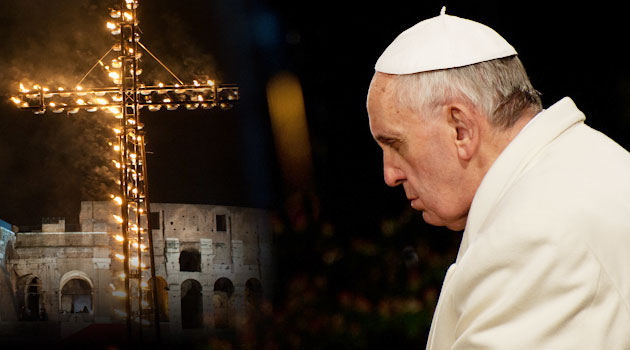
(393, 144)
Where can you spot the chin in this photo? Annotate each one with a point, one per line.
(432, 219)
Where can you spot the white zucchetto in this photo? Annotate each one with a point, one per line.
(442, 42)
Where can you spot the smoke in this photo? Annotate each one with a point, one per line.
(51, 42)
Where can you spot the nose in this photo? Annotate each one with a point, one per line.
(392, 174)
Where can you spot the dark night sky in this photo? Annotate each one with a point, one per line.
(228, 157)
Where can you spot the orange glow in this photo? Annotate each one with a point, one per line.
(118, 219)
(290, 130)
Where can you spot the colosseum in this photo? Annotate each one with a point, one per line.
(213, 266)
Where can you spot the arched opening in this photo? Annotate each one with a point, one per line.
(162, 297)
(190, 260)
(33, 300)
(223, 290)
(29, 295)
(192, 305)
(253, 294)
(76, 297)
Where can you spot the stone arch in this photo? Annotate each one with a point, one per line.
(76, 293)
(253, 294)
(190, 260)
(191, 304)
(30, 298)
(162, 291)
(221, 300)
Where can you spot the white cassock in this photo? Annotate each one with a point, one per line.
(544, 262)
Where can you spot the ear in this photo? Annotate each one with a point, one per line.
(466, 125)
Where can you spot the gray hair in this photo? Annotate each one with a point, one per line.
(499, 88)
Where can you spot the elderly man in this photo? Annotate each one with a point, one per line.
(543, 199)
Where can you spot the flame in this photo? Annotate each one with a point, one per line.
(80, 101)
(120, 256)
(211, 82)
(119, 238)
(142, 246)
(196, 83)
(134, 262)
(101, 101)
(117, 199)
(118, 218)
(22, 88)
(114, 75)
(111, 26)
(16, 100)
(128, 16)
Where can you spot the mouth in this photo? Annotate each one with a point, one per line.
(414, 203)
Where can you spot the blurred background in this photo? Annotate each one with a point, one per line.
(356, 267)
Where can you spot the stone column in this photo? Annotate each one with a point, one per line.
(207, 291)
(237, 255)
(102, 292)
(172, 255)
(207, 255)
(175, 308)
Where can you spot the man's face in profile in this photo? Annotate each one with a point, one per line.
(419, 155)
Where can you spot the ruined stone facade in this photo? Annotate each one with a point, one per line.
(213, 266)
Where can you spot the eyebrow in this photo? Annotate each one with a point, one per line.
(386, 139)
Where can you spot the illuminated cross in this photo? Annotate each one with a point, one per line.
(124, 101)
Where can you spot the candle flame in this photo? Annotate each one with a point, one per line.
(117, 199)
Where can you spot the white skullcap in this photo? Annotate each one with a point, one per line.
(442, 42)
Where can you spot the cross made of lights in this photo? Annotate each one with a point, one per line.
(124, 101)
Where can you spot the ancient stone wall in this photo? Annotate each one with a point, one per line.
(216, 259)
